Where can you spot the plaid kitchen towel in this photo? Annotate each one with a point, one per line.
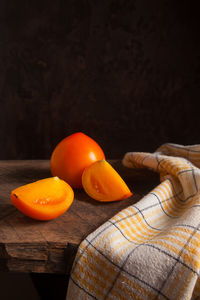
(150, 250)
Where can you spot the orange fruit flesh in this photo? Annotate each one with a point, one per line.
(44, 199)
(102, 182)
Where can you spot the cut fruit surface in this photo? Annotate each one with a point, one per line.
(102, 182)
(44, 199)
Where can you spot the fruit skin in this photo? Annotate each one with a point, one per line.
(44, 199)
(72, 155)
(102, 183)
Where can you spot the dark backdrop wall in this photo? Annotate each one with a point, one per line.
(127, 73)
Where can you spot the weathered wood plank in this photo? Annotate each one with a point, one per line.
(28, 245)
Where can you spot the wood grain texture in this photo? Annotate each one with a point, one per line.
(28, 245)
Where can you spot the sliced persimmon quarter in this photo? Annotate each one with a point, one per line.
(44, 199)
(102, 182)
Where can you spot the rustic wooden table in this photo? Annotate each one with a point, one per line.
(28, 245)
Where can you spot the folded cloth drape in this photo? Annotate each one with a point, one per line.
(150, 250)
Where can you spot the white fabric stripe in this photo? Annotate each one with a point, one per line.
(153, 262)
(178, 248)
(129, 289)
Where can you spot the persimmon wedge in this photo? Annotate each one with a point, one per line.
(102, 182)
(44, 199)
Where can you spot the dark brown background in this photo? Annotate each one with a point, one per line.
(127, 73)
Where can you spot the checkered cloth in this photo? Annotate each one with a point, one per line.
(150, 250)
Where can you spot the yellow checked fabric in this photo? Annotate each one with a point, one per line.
(150, 250)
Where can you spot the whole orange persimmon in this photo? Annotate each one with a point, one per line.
(72, 155)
